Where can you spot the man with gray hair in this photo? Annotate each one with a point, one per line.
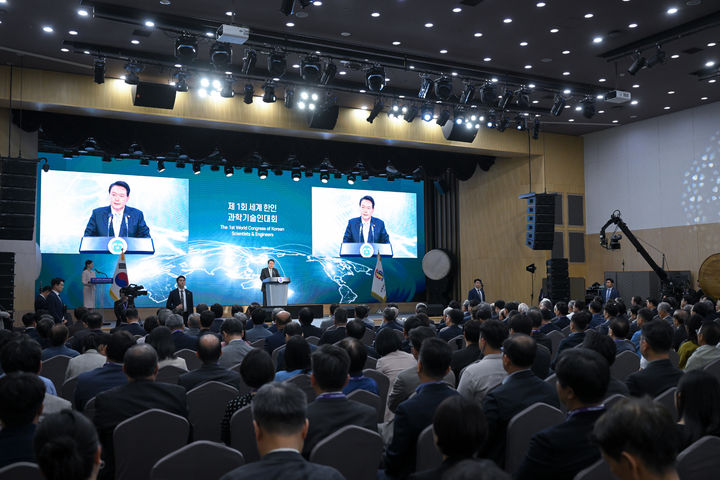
(664, 312)
(545, 304)
(389, 319)
(571, 309)
(182, 340)
(163, 315)
(235, 347)
(280, 420)
(193, 325)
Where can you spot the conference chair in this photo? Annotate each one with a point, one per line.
(701, 460)
(674, 358)
(667, 400)
(89, 410)
(55, 369)
(191, 358)
(428, 456)
(369, 337)
(169, 374)
(713, 369)
(313, 340)
(142, 440)
(399, 334)
(21, 471)
(200, 459)
(522, 426)
(275, 354)
(361, 452)
(370, 363)
(206, 407)
(555, 338)
(369, 399)
(242, 434)
(68, 389)
(303, 381)
(457, 343)
(612, 400)
(566, 331)
(551, 379)
(259, 343)
(626, 363)
(383, 383)
(599, 470)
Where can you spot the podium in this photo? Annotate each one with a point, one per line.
(101, 298)
(353, 249)
(134, 245)
(276, 290)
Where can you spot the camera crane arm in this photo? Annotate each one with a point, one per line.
(615, 219)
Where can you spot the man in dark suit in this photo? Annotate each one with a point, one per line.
(277, 339)
(267, 272)
(21, 402)
(56, 307)
(120, 307)
(578, 325)
(331, 409)
(416, 413)
(454, 329)
(561, 319)
(41, 302)
(132, 325)
(536, 320)
(596, 309)
(280, 420)
(180, 300)
(561, 451)
(609, 292)
(180, 338)
(605, 346)
(209, 351)
(520, 389)
(305, 316)
(365, 228)
(659, 375)
(521, 324)
(477, 292)
(139, 394)
(110, 375)
(94, 323)
(336, 334)
(30, 323)
(471, 353)
(117, 219)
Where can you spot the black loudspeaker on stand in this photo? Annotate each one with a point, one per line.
(558, 280)
(540, 220)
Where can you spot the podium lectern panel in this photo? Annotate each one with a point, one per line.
(134, 245)
(276, 290)
(353, 249)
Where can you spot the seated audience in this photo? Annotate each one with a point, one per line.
(561, 451)
(455, 328)
(44, 326)
(644, 315)
(67, 447)
(478, 378)
(596, 311)
(193, 324)
(331, 409)
(518, 391)
(605, 346)
(332, 335)
(209, 352)
(356, 329)
(305, 317)
(538, 329)
(471, 353)
(297, 358)
(21, 402)
(210, 318)
(698, 405)
(256, 370)
(659, 375)
(459, 429)
(361, 314)
(416, 413)
(475, 470)
(57, 338)
(133, 323)
(281, 425)
(162, 341)
(277, 339)
(140, 393)
(358, 356)
(392, 360)
(692, 325)
(618, 330)
(707, 352)
(150, 324)
(258, 329)
(235, 347)
(92, 356)
(522, 324)
(79, 314)
(29, 321)
(680, 335)
(578, 326)
(390, 320)
(561, 319)
(180, 339)
(94, 323)
(638, 440)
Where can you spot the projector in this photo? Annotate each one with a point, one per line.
(232, 34)
(618, 96)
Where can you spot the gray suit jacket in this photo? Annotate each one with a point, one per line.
(233, 353)
(406, 383)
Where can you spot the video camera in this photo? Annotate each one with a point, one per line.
(133, 291)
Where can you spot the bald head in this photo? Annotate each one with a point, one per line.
(209, 349)
(140, 362)
(520, 350)
(282, 318)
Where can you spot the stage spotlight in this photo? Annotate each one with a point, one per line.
(269, 95)
(46, 167)
(351, 179)
(99, 70)
(324, 177)
(536, 129)
(443, 117)
(425, 85)
(656, 59)
(506, 98)
(311, 69)
(229, 170)
(132, 70)
(88, 147)
(443, 88)
(375, 78)
(418, 174)
(248, 62)
(467, 94)
(558, 105)
(490, 123)
(377, 108)
(488, 94)
(520, 123)
(394, 111)
(276, 64)
(220, 54)
(522, 98)
(248, 93)
(588, 107)
(328, 74)
(160, 166)
(144, 162)
(263, 171)
(459, 117)
(227, 90)
(289, 97)
(411, 113)
(427, 113)
(638, 63)
(296, 174)
(186, 48)
(503, 124)
(181, 84)
(197, 167)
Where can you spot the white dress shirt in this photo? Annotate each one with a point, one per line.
(117, 220)
(366, 230)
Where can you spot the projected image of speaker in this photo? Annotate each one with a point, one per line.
(155, 95)
(540, 220)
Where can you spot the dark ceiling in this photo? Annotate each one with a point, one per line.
(346, 30)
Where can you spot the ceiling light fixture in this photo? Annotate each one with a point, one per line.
(289, 97)
(410, 113)
(558, 105)
(311, 69)
(132, 69)
(227, 89)
(186, 48)
(443, 88)
(277, 63)
(443, 117)
(467, 94)
(248, 62)
(425, 85)
(328, 74)
(181, 84)
(376, 110)
(638, 63)
(269, 95)
(375, 78)
(658, 58)
(426, 113)
(99, 70)
(248, 93)
(220, 54)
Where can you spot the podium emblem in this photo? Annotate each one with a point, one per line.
(117, 245)
(280, 280)
(366, 250)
